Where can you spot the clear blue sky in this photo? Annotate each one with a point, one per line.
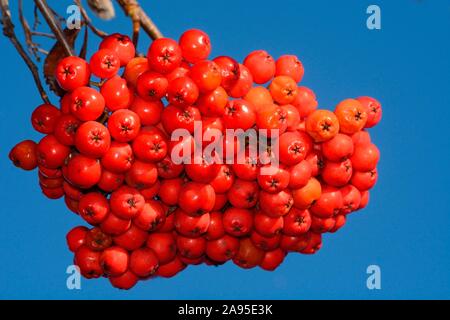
(404, 230)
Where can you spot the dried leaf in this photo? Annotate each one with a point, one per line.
(53, 57)
(103, 9)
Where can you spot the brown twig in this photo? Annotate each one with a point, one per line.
(84, 47)
(88, 21)
(133, 10)
(43, 34)
(8, 31)
(33, 47)
(36, 22)
(49, 17)
(145, 22)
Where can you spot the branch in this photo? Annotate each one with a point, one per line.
(88, 21)
(33, 48)
(131, 7)
(53, 24)
(43, 34)
(8, 31)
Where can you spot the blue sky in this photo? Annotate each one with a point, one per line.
(405, 228)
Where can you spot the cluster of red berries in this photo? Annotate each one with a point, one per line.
(109, 153)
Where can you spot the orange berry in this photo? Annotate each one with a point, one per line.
(305, 196)
(352, 116)
(283, 89)
(259, 97)
(134, 69)
(322, 125)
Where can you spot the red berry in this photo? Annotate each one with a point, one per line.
(296, 222)
(338, 148)
(337, 174)
(261, 66)
(104, 63)
(272, 259)
(238, 222)
(239, 114)
(24, 155)
(266, 225)
(45, 118)
(86, 103)
(50, 153)
(329, 203)
(126, 202)
(151, 86)
(151, 216)
(131, 239)
(114, 225)
(65, 129)
(114, 261)
(143, 262)
(364, 180)
(242, 85)
(195, 45)
(116, 93)
(88, 261)
(163, 245)
(305, 101)
(171, 268)
(93, 139)
(150, 145)
(83, 171)
(351, 199)
(75, 237)
(149, 112)
(118, 158)
(222, 249)
(190, 226)
(125, 281)
(289, 65)
(72, 72)
(164, 55)
(373, 110)
(124, 125)
(191, 248)
(365, 157)
(206, 75)
(182, 92)
(230, 71)
(121, 45)
(93, 207)
(196, 198)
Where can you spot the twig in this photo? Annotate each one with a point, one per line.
(8, 31)
(88, 21)
(54, 25)
(83, 50)
(133, 11)
(36, 18)
(43, 34)
(147, 24)
(32, 47)
(43, 51)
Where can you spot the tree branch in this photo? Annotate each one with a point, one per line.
(88, 20)
(53, 24)
(33, 47)
(131, 7)
(8, 31)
